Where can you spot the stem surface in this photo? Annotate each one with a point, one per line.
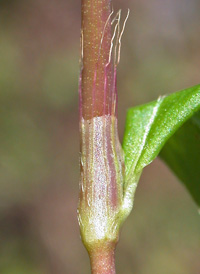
(96, 41)
(103, 261)
(101, 160)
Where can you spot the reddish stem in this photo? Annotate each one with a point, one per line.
(101, 159)
(103, 261)
(94, 95)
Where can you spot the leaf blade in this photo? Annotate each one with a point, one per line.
(148, 127)
(182, 154)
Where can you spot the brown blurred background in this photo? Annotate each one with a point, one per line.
(39, 138)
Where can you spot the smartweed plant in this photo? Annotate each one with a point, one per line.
(109, 173)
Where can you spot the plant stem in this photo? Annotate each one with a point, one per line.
(101, 157)
(95, 56)
(103, 261)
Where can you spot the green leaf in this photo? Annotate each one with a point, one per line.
(148, 127)
(182, 154)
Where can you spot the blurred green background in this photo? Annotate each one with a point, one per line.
(39, 137)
